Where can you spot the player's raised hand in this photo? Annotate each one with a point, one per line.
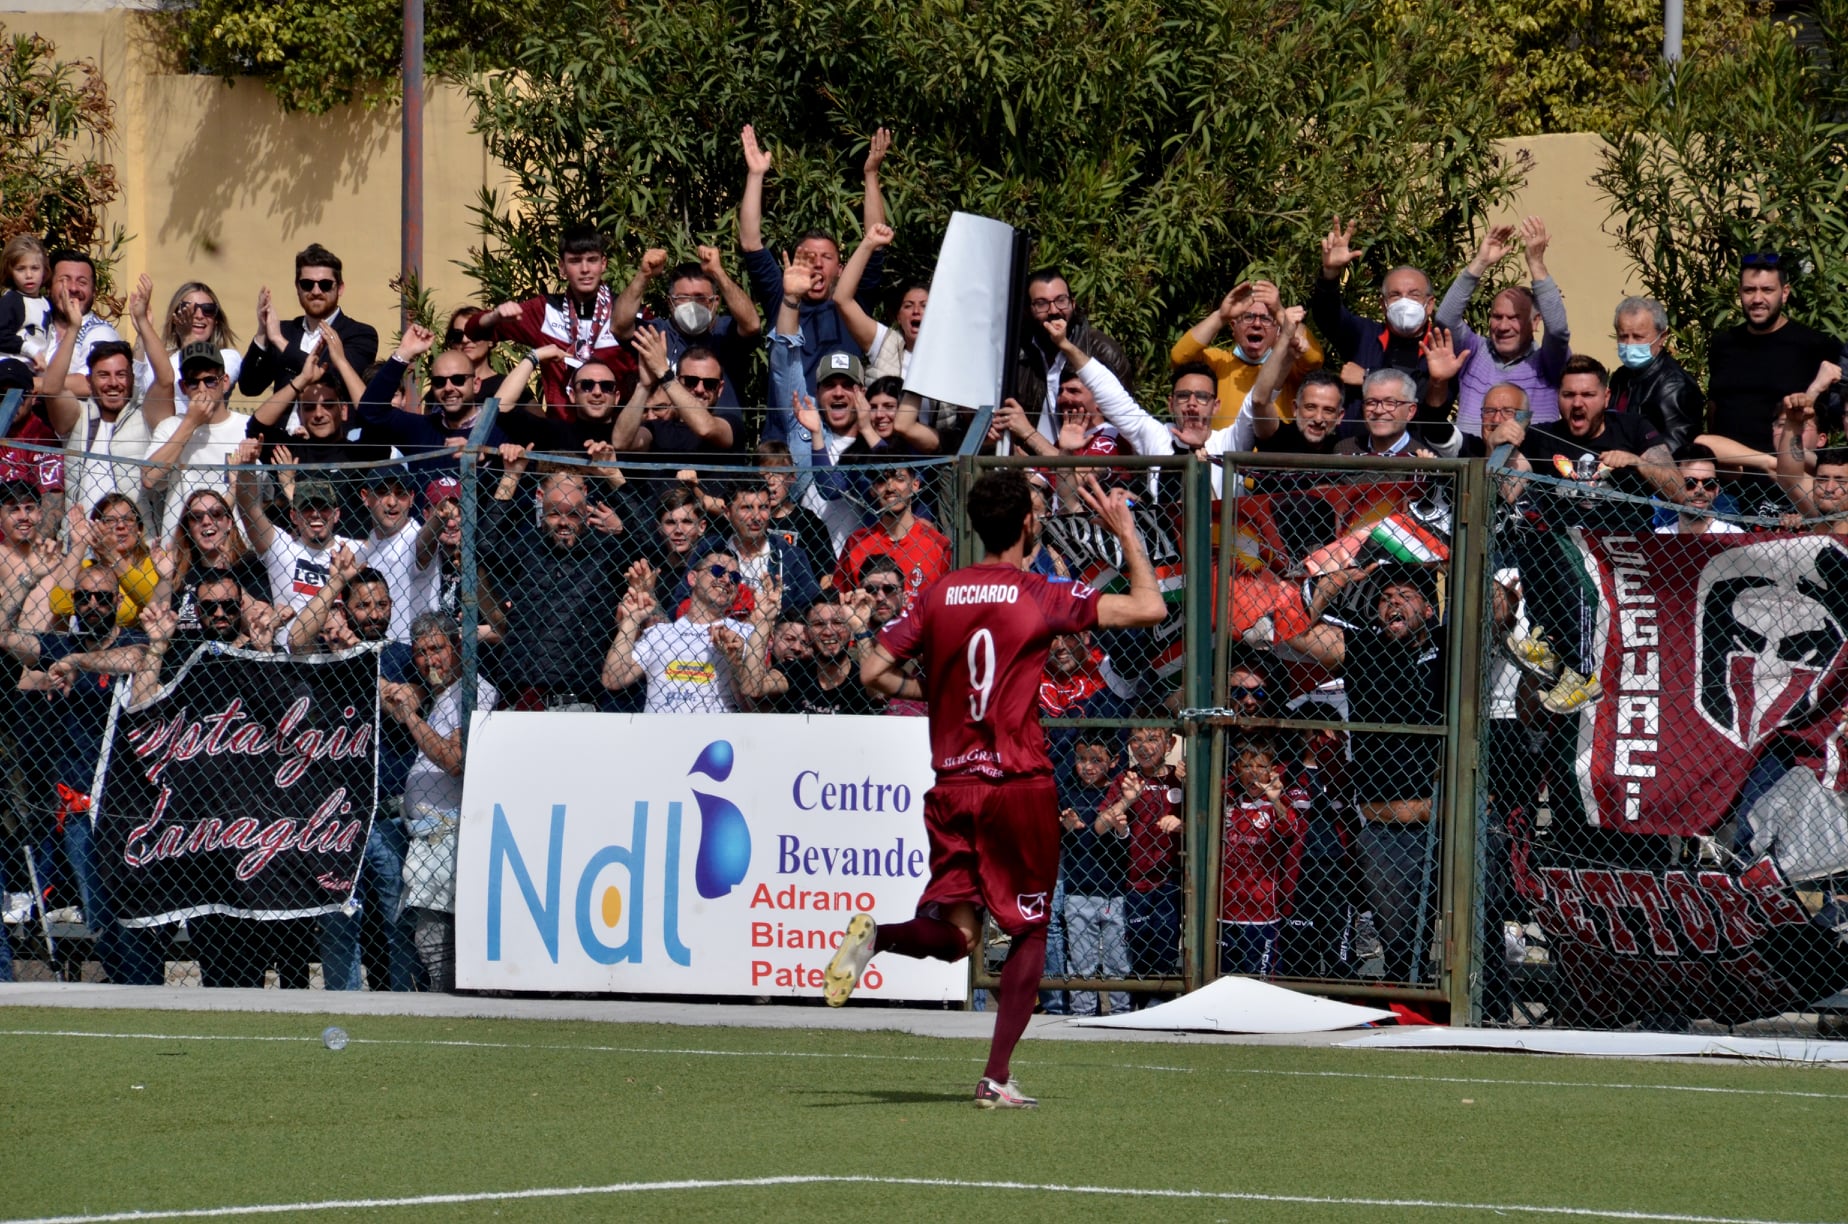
(1112, 509)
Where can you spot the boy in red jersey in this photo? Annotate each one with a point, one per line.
(1261, 845)
(981, 635)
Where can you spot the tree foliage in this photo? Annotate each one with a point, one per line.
(1158, 151)
(315, 55)
(56, 123)
(1736, 152)
(1572, 65)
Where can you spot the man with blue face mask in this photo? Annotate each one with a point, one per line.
(695, 291)
(1648, 380)
(1252, 311)
(1365, 344)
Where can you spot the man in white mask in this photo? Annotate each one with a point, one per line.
(694, 295)
(1366, 344)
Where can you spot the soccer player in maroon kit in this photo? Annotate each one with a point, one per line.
(980, 635)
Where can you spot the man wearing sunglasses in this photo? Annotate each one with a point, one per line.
(454, 394)
(69, 683)
(692, 665)
(1751, 367)
(281, 346)
(198, 444)
(1701, 487)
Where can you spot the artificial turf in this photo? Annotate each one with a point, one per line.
(91, 1125)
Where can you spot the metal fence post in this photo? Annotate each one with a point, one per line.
(1200, 682)
(468, 610)
(1469, 551)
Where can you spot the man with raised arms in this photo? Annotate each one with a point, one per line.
(981, 635)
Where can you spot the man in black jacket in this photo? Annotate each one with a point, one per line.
(1041, 365)
(1648, 380)
(281, 347)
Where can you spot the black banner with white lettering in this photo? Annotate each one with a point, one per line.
(246, 788)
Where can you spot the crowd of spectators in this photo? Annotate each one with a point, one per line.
(644, 543)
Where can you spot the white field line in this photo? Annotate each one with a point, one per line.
(582, 1049)
(920, 1058)
(549, 1192)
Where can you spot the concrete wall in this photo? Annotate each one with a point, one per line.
(219, 185)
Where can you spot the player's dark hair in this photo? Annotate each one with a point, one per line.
(103, 350)
(998, 507)
(677, 497)
(1257, 744)
(68, 255)
(1580, 363)
(314, 255)
(580, 240)
(1192, 369)
(878, 563)
(1318, 378)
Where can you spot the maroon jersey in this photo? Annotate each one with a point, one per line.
(1261, 847)
(981, 635)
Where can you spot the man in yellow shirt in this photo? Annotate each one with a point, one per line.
(1251, 310)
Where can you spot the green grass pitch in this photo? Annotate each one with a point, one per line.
(240, 1110)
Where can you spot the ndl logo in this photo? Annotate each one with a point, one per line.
(612, 884)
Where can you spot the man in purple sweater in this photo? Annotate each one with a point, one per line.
(1508, 354)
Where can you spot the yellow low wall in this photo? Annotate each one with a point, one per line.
(219, 185)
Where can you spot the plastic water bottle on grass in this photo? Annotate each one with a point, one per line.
(334, 1037)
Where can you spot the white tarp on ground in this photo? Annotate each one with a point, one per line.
(1243, 1005)
(1605, 1045)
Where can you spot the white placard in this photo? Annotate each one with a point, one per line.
(700, 854)
(961, 346)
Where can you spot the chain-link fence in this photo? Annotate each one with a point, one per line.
(233, 718)
(1406, 692)
(1110, 703)
(1335, 861)
(244, 598)
(1663, 842)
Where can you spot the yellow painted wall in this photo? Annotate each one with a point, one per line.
(219, 185)
(1591, 272)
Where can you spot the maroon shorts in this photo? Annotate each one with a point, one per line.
(995, 845)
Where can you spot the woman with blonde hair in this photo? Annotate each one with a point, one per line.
(195, 316)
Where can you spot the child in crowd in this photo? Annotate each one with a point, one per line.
(1261, 844)
(25, 313)
(1143, 806)
(1093, 864)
